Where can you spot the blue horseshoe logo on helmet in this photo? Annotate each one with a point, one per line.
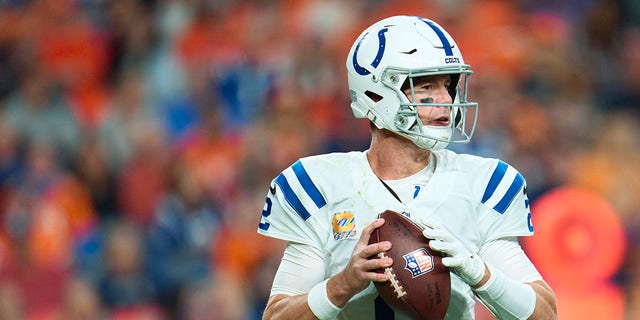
(382, 40)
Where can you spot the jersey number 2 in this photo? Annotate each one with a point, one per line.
(265, 213)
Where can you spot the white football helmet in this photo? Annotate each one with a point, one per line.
(397, 50)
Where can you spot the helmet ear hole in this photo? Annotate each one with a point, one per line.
(406, 123)
(373, 96)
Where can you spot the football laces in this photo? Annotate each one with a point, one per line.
(393, 282)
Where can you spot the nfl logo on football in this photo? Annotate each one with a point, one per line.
(418, 262)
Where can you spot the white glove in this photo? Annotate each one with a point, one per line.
(466, 264)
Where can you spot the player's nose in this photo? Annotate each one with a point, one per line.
(441, 95)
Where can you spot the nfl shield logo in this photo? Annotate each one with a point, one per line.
(418, 262)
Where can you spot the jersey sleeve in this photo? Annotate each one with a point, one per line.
(506, 202)
(301, 268)
(290, 208)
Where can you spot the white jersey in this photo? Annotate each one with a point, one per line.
(325, 201)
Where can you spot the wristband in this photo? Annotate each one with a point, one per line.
(505, 297)
(320, 304)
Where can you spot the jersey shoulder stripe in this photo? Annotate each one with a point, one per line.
(503, 187)
(297, 188)
(291, 197)
(512, 192)
(496, 177)
(308, 185)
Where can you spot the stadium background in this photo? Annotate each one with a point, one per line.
(138, 138)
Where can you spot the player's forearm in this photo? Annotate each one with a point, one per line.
(283, 307)
(485, 278)
(510, 299)
(545, 301)
(324, 301)
(338, 290)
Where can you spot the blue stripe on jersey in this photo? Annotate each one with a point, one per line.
(291, 197)
(308, 185)
(515, 187)
(445, 42)
(496, 177)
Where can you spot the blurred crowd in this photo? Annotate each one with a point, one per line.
(138, 138)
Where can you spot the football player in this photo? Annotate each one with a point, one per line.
(408, 78)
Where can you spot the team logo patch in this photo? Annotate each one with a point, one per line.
(344, 225)
(418, 262)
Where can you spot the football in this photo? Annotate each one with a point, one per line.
(419, 285)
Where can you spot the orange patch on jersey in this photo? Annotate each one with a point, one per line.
(344, 225)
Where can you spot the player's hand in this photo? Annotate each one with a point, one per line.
(466, 264)
(364, 260)
(360, 270)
